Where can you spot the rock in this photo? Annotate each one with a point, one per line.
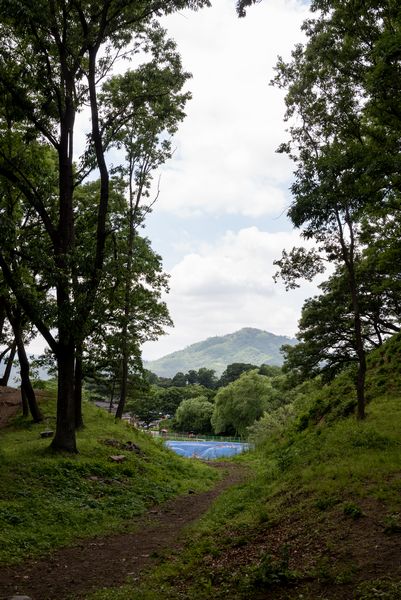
(119, 458)
(19, 598)
(45, 434)
(133, 447)
(112, 442)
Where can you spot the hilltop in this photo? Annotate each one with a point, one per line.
(248, 345)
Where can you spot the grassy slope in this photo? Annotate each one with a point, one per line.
(320, 519)
(48, 500)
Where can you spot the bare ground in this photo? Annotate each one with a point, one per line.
(10, 402)
(108, 561)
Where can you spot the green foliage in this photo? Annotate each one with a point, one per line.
(154, 402)
(233, 372)
(345, 197)
(379, 589)
(194, 415)
(271, 424)
(352, 510)
(241, 403)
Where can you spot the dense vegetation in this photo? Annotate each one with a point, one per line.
(73, 266)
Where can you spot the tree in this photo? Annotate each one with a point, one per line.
(145, 139)
(241, 403)
(207, 377)
(333, 179)
(115, 349)
(233, 371)
(243, 4)
(18, 324)
(179, 380)
(194, 415)
(8, 343)
(53, 56)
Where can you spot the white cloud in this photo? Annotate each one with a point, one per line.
(228, 285)
(225, 160)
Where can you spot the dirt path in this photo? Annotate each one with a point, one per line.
(108, 561)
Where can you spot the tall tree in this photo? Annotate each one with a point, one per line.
(336, 177)
(53, 56)
(326, 335)
(145, 139)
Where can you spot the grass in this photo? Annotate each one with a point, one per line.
(322, 500)
(322, 505)
(49, 500)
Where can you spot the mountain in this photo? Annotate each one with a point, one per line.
(248, 345)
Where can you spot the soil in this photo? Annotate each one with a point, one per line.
(311, 555)
(107, 561)
(10, 403)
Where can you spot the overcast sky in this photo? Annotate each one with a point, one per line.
(220, 220)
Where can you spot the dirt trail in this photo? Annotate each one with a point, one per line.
(108, 561)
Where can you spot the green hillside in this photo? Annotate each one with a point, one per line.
(248, 345)
(320, 517)
(50, 500)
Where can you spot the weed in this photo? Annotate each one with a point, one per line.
(392, 524)
(352, 510)
(270, 572)
(380, 589)
(325, 503)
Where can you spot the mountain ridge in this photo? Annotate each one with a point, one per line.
(248, 345)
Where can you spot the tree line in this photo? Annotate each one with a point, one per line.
(227, 405)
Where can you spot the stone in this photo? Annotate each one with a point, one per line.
(17, 597)
(118, 458)
(46, 434)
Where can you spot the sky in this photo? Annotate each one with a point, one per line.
(220, 220)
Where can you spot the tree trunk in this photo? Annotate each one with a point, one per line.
(26, 386)
(7, 372)
(123, 391)
(349, 260)
(27, 393)
(360, 386)
(112, 396)
(24, 403)
(79, 422)
(64, 438)
(359, 344)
